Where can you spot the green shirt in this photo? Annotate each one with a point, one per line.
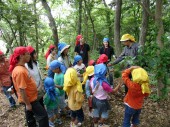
(59, 80)
(49, 103)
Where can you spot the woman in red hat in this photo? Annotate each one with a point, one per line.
(34, 71)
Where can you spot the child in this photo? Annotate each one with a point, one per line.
(74, 90)
(51, 100)
(88, 75)
(55, 66)
(79, 66)
(135, 95)
(100, 89)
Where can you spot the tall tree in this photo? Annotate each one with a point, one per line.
(117, 28)
(80, 17)
(51, 20)
(145, 20)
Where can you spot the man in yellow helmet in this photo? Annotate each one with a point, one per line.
(130, 49)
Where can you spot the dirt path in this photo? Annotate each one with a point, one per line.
(153, 114)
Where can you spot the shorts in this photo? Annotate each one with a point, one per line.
(52, 112)
(78, 114)
(97, 114)
(62, 104)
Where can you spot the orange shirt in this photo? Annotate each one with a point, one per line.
(4, 73)
(134, 98)
(22, 80)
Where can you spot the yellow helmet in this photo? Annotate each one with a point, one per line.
(127, 37)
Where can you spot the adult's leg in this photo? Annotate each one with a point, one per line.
(40, 114)
(9, 96)
(30, 119)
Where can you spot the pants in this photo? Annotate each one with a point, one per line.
(131, 114)
(38, 113)
(79, 114)
(9, 96)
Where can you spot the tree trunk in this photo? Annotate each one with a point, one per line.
(80, 17)
(52, 22)
(160, 29)
(159, 22)
(36, 26)
(145, 20)
(92, 22)
(117, 28)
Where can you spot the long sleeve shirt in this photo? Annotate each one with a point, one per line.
(128, 51)
(134, 98)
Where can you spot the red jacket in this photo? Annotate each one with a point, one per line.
(134, 98)
(4, 73)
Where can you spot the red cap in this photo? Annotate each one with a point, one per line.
(1, 53)
(48, 52)
(78, 39)
(91, 63)
(13, 58)
(30, 49)
(102, 59)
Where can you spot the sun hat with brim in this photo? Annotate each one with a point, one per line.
(62, 46)
(89, 72)
(127, 37)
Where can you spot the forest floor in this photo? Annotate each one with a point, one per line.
(154, 114)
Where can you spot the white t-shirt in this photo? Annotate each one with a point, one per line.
(80, 70)
(35, 74)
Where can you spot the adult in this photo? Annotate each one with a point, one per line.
(5, 80)
(78, 39)
(130, 49)
(50, 54)
(26, 88)
(107, 49)
(63, 56)
(83, 50)
(34, 71)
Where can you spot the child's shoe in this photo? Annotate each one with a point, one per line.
(58, 121)
(79, 124)
(73, 125)
(90, 114)
(103, 125)
(51, 124)
(95, 125)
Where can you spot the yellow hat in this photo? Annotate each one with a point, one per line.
(127, 37)
(89, 72)
(141, 77)
(71, 79)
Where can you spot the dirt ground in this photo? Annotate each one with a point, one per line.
(153, 114)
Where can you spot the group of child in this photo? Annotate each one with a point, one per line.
(73, 81)
(93, 80)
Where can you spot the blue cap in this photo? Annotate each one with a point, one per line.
(106, 40)
(54, 64)
(76, 59)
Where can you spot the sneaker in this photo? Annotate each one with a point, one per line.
(90, 114)
(79, 124)
(58, 121)
(73, 125)
(51, 124)
(95, 125)
(103, 125)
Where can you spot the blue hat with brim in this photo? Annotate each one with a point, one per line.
(55, 64)
(62, 46)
